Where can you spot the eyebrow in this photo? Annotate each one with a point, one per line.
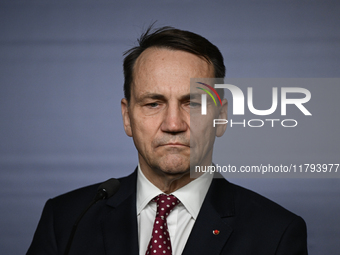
(185, 97)
(151, 96)
(162, 97)
(195, 95)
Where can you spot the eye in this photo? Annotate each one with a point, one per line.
(153, 105)
(194, 104)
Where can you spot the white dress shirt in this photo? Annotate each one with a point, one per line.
(180, 221)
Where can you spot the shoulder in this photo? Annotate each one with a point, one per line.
(268, 227)
(250, 201)
(251, 208)
(245, 199)
(81, 197)
(60, 214)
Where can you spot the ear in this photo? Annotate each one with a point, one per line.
(126, 117)
(223, 114)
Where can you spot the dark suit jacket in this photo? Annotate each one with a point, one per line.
(248, 224)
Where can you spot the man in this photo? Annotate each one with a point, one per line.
(203, 215)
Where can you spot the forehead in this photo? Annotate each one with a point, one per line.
(159, 70)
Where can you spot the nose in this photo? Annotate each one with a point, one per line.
(175, 119)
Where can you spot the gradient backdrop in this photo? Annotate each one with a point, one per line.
(61, 84)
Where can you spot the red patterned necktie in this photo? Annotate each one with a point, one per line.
(160, 243)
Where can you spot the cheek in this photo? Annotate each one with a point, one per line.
(201, 125)
(144, 127)
(202, 132)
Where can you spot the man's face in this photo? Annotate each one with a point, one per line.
(158, 116)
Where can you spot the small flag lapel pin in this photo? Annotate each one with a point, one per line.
(216, 232)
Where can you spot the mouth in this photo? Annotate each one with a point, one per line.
(175, 145)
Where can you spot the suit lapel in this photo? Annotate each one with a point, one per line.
(119, 222)
(216, 211)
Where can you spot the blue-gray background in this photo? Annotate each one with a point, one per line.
(61, 84)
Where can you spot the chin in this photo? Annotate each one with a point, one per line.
(175, 172)
(174, 166)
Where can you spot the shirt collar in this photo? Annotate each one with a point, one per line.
(145, 191)
(191, 195)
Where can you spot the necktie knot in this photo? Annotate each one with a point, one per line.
(165, 204)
